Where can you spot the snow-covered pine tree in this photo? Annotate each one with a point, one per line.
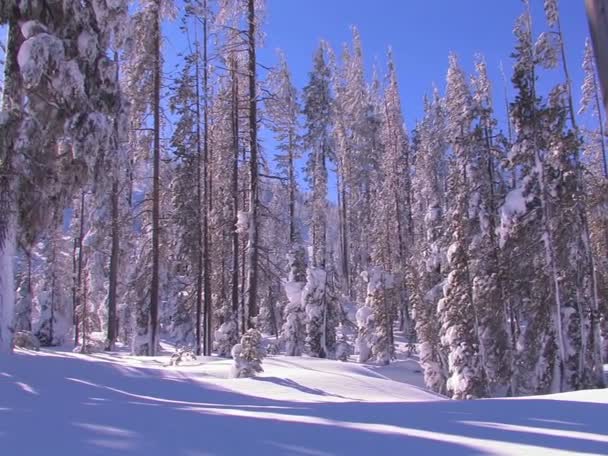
(356, 131)
(428, 272)
(293, 332)
(543, 218)
(46, 60)
(395, 193)
(595, 159)
(248, 355)
(143, 74)
(586, 282)
(318, 139)
(459, 320)
(316, 305)
(376, 318)
(53, 287)
(486, 274)
(23, 305)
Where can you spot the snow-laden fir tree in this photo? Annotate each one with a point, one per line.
(375, 319)
(544, 229)
(53, 287)
(393, 212)
(485, 272)
(596, 182)
(317, 138)
(428, 271)
(459, 321)
(356, 155)
(293, 332)
(143, 74)
(248, 355)
(315, 301)
(47, 60)
(23, 304)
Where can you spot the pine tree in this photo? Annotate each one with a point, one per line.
(293, 330)
(486, 275)
(248, 355)
(317, 138)
(427, 274)
(48, 60)
(596, 183)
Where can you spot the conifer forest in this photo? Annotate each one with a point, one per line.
(199, 204)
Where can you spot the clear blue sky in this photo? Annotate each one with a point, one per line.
(421, 33)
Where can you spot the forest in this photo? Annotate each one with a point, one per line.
(221, 208)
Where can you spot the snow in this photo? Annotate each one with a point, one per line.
(242, 222)
(115, 404)
(515, 204)
(35, 56)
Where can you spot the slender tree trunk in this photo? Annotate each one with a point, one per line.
(200, 209)
(154, 291)
(29, 294)
(12, 100)
(114, 261)
(115, 252)
(85, 292)
(79, 295)
(252, 273)
(206, 194)
(292, 194)
(235, 192)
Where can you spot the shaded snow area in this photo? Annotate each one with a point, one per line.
(61, 403)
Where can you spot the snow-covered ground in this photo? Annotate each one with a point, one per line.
(61, 403)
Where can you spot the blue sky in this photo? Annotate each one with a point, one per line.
(421, 33)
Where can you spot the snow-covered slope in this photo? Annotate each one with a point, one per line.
(75, 405)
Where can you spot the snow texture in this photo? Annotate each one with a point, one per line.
(115, 404)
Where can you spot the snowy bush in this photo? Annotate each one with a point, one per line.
(27, 340)
(292, 332)
(365, 316)
(315, 302)
(225, 336)
(248, 355)
(293, 329)
(343, 347)
(182, 354)
(92, 346)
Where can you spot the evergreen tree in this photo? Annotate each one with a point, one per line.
(47, 60)
(428, 272)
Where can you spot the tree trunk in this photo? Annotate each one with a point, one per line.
(235, 192)
(79, 295)
(206, 195)
(154, 291)
(12, 100)
(200, 209)
(114, 261)
(252, 273)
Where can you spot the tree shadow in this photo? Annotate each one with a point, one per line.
(95, 409)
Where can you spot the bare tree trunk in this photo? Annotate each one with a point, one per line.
(252, 273)
(206, 194)
(114, 261)
(115, 252)
(12, 99)
(235, 192)
(292, 195)
(78, 295)
(154, 291)
(200, 209)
